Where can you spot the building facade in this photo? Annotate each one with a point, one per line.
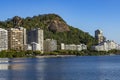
(50, 45)
(17, 38)
(35, 46)
(99, 36)
(106, 46)
(73, 47)
(36, 36)
(3, 39)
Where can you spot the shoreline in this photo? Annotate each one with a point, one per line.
(51, 56)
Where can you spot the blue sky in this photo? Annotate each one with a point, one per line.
(87, 15)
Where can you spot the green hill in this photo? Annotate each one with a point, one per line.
(54, 28)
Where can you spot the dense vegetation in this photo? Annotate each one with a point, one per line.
(18, 54)
(86, 52)
(73, 36)
(54, 28)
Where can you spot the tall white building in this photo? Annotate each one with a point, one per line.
(24, 35)
(36, 36)
(3, 39)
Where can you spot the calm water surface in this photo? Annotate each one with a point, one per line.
(66, 68)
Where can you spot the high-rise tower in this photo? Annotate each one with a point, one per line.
(3, 39)
(99, 36)
(36, 36)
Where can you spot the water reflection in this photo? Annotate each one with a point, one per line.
(17, 69)
(74, 68)
(23, 69)
(49, 67)
(4, 66)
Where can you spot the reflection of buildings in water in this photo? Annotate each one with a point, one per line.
(23, 70)
(48, 69)
(40, 67)
(4, 60)
(17, 69)
(4, 66)
(17, 66)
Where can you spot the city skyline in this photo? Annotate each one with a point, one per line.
(87, 15)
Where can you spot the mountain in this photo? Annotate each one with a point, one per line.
(54, 28)
(58, 26)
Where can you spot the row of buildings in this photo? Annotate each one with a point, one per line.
(19, 39)
(13, 38)
(103, 44)
(73, 47)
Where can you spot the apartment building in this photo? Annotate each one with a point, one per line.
(17, 38)
(99, 36)
(106, 46)
(3, 39)
(73, 47)
(36, 38)
(50, 45)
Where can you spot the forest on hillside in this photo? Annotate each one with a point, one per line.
(54, 28)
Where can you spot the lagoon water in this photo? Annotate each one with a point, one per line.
(64, 68)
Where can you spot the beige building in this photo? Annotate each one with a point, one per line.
(16, 38)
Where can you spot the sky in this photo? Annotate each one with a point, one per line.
(87, 15)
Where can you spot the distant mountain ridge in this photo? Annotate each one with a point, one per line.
(54, 28)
